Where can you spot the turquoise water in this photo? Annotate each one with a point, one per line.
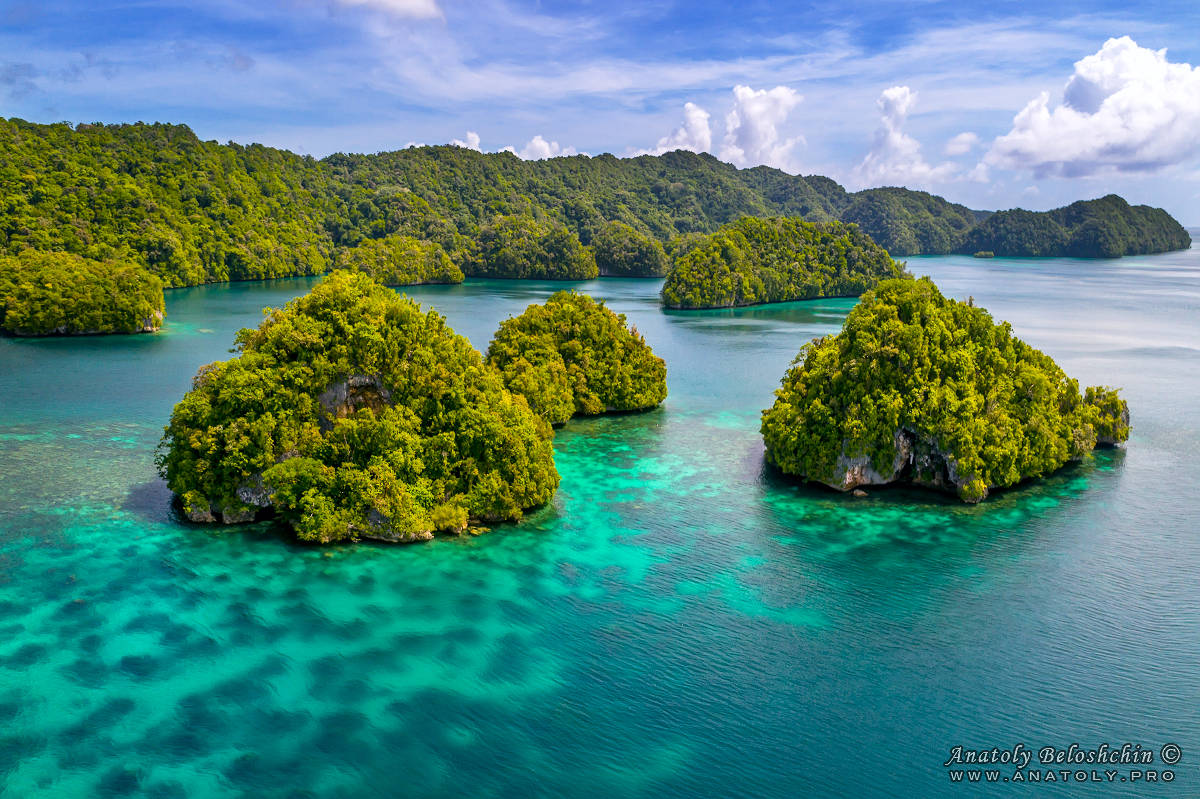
(680, 622)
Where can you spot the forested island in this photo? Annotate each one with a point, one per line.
(351, 413)
(921, 389)
(192, 211)
(573, 356)
(755, 261)
(60, 294)
(1105, 228)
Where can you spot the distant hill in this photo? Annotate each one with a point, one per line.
(1105, 228)
(192, 211)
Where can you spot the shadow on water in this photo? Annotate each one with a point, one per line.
(893, 520)
(152, 501)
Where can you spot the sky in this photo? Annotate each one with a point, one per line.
(991, 103)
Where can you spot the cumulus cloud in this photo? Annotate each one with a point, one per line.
(961, 144)
(1125, 108)
(752, 127)
(895, 157)
(979, 173)
(694, 134)
(417, 9)
(472, 142)
(538, 148)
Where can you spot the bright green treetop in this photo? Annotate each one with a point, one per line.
(572, 356)
(621, 251)
(352, 413)
(754, 261)
(400, 261)
(57, 293)
(996, 410)
(520, 246)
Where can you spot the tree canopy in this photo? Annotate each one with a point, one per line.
(195, 211)
(1105, 228)
(520, 246)
(756, 261)
(572, 355)
(400, 261)
(351, 413)
(57, 293)
(191, 211)
(921, 388)
(621, 251)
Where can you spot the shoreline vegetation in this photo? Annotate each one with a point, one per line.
(351, 413)
(757, 261)
(187, 212)
(60, 294)
(924, 390)
(572, 356)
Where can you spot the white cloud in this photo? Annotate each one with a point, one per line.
(694, 134)
(895, 157)
(752, 127)
(961, 144)
(979, 173)
(472, 142)
(538, 148)
(418, 9)
(1125, 108)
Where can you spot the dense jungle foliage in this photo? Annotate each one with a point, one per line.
(572, 355)
(621, 251)
(755, 261)
(351, 413)
(400, 261)
(193, 211)
(520, 246)
(57, 293)
(906, 222)
(908, 359)
(189, 211)
(1105, 228)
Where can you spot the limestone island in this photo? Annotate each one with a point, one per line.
(353, 414)
(755, 261)
(60, 294)
(925, 390)
(573, 356)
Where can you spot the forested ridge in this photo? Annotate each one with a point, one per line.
(194, 211)
(754, 261)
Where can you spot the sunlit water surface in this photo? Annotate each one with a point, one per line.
(680, 622)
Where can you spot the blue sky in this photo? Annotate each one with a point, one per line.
(945, 96)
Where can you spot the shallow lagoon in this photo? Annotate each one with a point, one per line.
(679, 622)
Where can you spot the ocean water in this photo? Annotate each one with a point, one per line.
(679, 622)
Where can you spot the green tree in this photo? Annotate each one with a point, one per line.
(755, 261)
(400, 261)
(523, 247)
(922, 388)
(57, 293)
(351, 413)
(572, 355)
(621, 251)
